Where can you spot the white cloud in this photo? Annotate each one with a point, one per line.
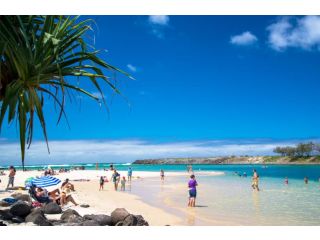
(295, 32)
(159, 19)
(91, 151)
(158, 23)
(131, 67)
(244, 39)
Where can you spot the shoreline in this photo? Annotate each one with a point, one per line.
(104, 202)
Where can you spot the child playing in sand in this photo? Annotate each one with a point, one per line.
(123, 184)
(101, 183)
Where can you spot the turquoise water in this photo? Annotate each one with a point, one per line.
(230, 200)
(274, 171)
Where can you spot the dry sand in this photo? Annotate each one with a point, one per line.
(103, 202)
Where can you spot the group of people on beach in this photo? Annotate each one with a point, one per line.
(61, 197)
(116, 179)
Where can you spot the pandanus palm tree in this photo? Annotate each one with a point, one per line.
(40, 58)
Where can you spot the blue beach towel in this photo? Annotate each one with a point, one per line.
(10, 201)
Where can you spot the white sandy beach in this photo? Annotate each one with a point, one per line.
(104, 202)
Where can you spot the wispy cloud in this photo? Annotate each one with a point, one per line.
(301, 33)
(131, 67)
(129, 150)
(158, 23)
(244, 39)
(159, 19)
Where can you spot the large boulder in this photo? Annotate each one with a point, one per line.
(130, 220)
(102, 219)
(36, 215)
(118, 215)
(71, 216)
(6, 215)
(52, 208)
(22, 197)
(141, 221)
(20, 209)
(134, 220)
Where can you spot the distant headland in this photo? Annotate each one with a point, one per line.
(233, 160)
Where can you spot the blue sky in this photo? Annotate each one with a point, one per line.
(198, 79)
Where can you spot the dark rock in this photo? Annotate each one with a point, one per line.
(45, 223)
(52, 208)
(119, 214)
(2, 224)
(119, 223)
(4, 204)
(37, 210)
(84, 205)
(72, 224)
(5, 215)
(22, 197)
(130, 220)
(17, 219)
(56, 222)
(141, 221)
(36, 216)
(71, 216)
(20, 209)
(90, 223)
(102, 219)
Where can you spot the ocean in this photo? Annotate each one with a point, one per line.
(273, 171)
(228, 199)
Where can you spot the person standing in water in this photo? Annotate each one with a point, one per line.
(306, 180)
(192, 186)
(255, 180)
(123, 184)
(286, 181)
(162, 174)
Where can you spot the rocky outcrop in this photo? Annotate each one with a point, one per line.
(233, 160)
(21, 212)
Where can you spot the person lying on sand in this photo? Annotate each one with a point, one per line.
(42, 193)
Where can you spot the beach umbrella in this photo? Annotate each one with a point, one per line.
(28, 181)
(45, 181)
